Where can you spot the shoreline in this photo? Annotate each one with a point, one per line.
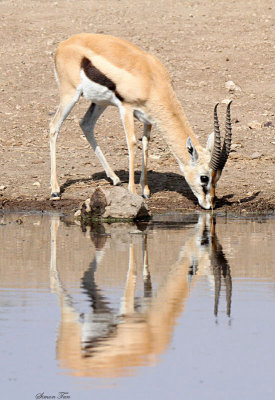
(68, 207)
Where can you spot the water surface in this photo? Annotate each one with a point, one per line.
(176, 310)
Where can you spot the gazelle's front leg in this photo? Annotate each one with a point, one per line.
(146, 271)
(87, 125)
(127, 117)
(66, 105)
(127, 305)
(145, 143)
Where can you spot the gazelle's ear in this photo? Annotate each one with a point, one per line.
(191, 150)
(210, 142)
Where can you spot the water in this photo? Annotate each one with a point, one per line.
(163, 311)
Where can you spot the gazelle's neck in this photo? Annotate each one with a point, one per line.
(173, 124)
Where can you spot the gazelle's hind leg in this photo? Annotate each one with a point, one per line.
(127, 117)
(66, 105)
(145, 144)
(87, 125)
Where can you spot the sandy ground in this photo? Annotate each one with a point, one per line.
(202, 44)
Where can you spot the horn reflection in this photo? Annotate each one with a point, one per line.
(109, 339)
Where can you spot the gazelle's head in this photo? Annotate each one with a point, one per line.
(206, 164)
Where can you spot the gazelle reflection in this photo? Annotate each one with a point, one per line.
(104, 343)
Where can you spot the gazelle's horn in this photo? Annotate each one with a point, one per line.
(216, 153)
(227, 139)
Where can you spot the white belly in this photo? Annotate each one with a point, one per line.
(97, 93)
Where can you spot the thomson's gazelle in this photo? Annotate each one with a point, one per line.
(110, 71)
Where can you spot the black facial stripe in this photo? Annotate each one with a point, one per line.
(96, 76)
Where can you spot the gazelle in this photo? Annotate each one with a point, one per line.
(110, 71)
(104, 342)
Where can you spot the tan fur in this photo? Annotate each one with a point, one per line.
(141, 335)
(144, 84)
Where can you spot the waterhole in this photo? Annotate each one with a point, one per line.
(178, 308)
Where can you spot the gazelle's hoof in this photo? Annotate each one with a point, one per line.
(116, 181)
(146, 192)
(55, 196)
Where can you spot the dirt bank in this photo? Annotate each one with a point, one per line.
(203, 45)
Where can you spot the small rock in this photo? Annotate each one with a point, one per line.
(154, 157)
(36, 184)
(269, 181)
(232, 87)
(3, 187)
(77, 213)
(254, 125)
(114, 203)
(226, 101)
(256, 155)
(268, 124)
(97, 203)
(235, 146)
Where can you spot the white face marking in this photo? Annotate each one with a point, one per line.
(97, 93)
(204, 198)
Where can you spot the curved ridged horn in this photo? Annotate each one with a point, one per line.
(216, 153)
(227, 139)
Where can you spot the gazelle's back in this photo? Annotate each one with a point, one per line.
(122, 61)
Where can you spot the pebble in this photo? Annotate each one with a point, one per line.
(256, 155)
(3, 187)
(235, 146)
(268, 124)
(36, 184)
(226, 101)
(231, 86)
(255, 125)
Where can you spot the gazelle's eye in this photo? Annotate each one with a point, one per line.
(204, 179)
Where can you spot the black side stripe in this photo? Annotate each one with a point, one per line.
(98, 77)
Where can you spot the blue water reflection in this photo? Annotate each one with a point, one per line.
(130, 308)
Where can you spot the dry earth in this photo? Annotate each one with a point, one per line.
(202, 44)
